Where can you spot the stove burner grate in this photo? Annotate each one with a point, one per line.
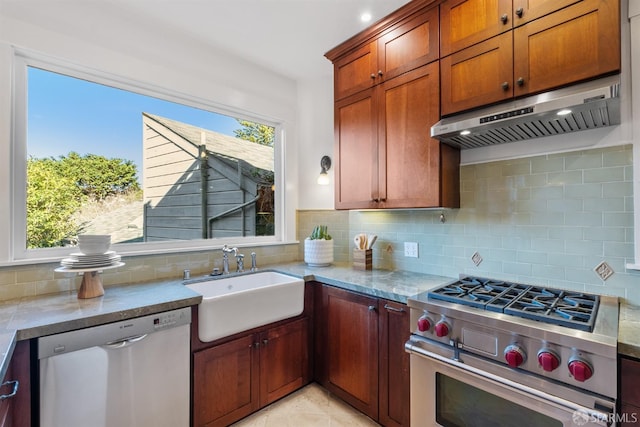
(565, 308)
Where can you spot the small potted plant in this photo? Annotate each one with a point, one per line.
(318, 247)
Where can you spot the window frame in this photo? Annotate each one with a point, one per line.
(18, 252)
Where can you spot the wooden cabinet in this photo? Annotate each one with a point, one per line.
(347, 347)
(394, 379)
(387, 98)
(409, 44)
(385, 156)
(284, 360)
(479, 75)
(234, 379)
(572, 44)
(629, 391)
(466, 22)
(15, 411)
(360, 357)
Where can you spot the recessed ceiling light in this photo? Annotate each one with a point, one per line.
(563, 112)
(365, 17)
(465, 132)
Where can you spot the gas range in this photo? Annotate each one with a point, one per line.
(530, 333)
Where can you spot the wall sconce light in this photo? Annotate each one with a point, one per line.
(325, 164)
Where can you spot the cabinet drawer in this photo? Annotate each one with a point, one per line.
(576, 43)
(479, 75)
(466, 22)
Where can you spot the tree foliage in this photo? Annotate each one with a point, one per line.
(98, 176)
(255, 132)
(56, 189)
(52, 200)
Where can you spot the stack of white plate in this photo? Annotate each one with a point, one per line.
(83, 261)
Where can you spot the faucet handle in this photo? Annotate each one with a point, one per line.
(240, 263)
(254, 265)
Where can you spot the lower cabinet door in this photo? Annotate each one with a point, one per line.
(284, 360)
(225, 383)
(394, 365)
(347, 337)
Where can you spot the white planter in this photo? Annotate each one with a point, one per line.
(318, 253)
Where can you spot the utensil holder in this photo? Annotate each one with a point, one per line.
(363, 259)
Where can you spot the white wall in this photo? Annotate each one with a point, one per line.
(315, 106)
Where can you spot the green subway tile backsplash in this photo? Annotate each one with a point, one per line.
(544, 220)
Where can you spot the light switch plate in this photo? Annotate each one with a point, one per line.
(411, 249)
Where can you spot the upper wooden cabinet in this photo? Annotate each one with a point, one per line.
(479, 75)
(466, 22)
(409, 44)
(574, 43)
(387, 97)
(385, 156)
(528, 10)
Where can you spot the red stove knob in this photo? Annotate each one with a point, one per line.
(424, 323)
(514, 355)
(580, 370)
(442, 329)
(548, 360)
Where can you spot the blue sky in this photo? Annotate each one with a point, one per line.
(67, 114)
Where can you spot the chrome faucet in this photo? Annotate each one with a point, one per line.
(226, 250)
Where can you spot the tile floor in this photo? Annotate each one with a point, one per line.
(312, 406)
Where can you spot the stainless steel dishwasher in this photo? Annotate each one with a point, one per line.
(132, 373)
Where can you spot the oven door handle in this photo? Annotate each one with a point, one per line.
(602, 417)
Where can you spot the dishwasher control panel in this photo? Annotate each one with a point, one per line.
(171, 318)
(107, 335)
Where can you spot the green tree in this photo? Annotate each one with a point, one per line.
(56, 189)
(52, 200)
(98, 176)
(255, 132)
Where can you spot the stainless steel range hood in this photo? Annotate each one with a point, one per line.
(575, 108)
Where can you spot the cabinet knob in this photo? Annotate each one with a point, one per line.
(519, 12)
(504, 18)
(520, 81)
(505, 85)
(256, 344)
(380, 73)
(372, 308)
(373, 76)
(265, 342)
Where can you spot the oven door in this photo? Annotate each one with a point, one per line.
(446, 392)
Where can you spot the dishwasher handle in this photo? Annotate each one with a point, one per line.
(125, 342)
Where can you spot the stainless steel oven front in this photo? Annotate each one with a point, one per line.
(454, 389)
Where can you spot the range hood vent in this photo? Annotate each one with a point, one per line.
(589, 105)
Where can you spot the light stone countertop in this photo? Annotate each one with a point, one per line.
(33, 317)
(629, 330)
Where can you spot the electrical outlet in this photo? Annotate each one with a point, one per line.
(411, 249)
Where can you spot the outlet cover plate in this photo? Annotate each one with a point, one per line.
(411, 249)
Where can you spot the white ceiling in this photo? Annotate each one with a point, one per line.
(289, 37)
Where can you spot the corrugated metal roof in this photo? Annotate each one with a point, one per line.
(257, 155)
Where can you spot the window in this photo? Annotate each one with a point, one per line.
(153, 169)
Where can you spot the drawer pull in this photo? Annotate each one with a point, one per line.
(13, 393)
(388, 307)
